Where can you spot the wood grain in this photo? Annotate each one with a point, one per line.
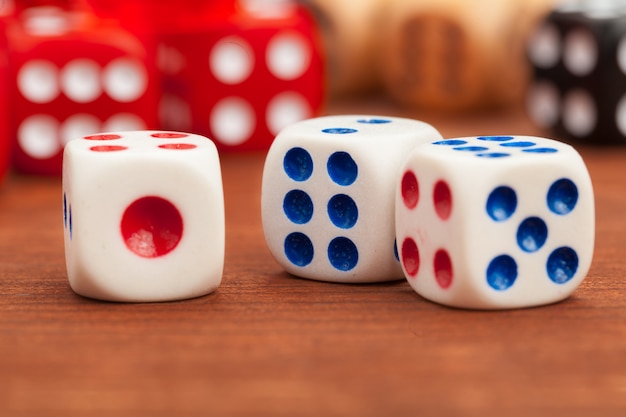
(266, 343)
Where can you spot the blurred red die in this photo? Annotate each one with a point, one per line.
(5, 136)
(73, 75)
(241, 78)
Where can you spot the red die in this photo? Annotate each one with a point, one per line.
(5, 138)
(149, 12)
(239, 79)
(74, 75)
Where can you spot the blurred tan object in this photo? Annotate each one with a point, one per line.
(455, 54)
(349, 28)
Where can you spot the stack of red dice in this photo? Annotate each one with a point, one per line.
(236, 72)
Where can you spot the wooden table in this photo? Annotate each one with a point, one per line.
(267, 343)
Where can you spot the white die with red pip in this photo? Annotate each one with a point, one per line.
(495, 222)
(144, 216)
(328, 195)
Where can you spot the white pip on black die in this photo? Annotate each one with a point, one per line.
(328, 195)
(495, 222)
(144, 216)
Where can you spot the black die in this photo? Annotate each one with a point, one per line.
(578, 56)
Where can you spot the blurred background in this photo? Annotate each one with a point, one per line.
(238, 71)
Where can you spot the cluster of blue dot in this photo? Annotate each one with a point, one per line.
(532, 232)
(341, 209)
(67, 216)
(485, 149)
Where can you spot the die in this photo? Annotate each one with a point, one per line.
(5, 137)
(241, 78)
(143, 216)
(578, 56)
(495, 222)
(456, 55)
(327, 198)
(145, 14)
(73, 75)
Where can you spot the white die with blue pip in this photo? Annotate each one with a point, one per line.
(328, 195)
(495, 222)
(143, 213)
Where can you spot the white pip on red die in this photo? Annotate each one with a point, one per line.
(328, 195)
(495, 222)
(144, 216)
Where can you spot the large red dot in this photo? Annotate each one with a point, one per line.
(169, 135)
(442, 198)
(443, 269)
(410, 257)
(151, 227)
(410, 190)
(103, 137)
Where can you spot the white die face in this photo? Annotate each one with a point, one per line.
(495, 222)
(143, 216)
(328, 195)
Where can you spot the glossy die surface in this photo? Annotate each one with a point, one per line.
(495, 222)
(240, 79)
(328, 195)
(144, 216)
(578, 55)
(73, 75)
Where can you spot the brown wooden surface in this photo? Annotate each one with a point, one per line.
(270, 344)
